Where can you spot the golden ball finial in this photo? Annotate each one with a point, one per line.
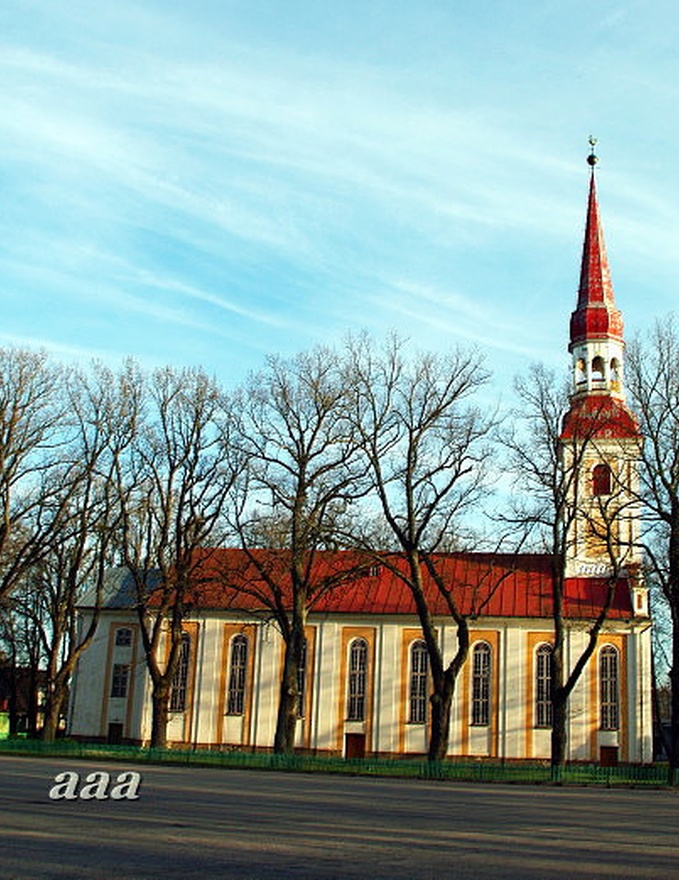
(592, 159)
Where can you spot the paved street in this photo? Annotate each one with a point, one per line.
(247, 825)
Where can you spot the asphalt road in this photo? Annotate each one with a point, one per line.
(246, 825)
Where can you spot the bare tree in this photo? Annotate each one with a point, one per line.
(661, 662)
(552, 448)
(32, 412)
(301, 475)
(425, 448)
(653, 383)
(173, 486)
(22, 656)
(61, 433)
(79, 498)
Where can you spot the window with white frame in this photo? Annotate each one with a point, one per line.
(609, 688)
(419, 670)
(358, 677)
(238, 667)
(481, 681)
(123, 637)
(120, 679)
(543, 686)
(180, 678)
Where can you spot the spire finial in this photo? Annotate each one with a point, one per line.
(592, 159)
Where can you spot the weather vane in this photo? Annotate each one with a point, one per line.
(592, 158)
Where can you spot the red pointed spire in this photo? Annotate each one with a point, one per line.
(598, 408)
(596, 316)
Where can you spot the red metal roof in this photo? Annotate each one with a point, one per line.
(487, 585)
(596, 316)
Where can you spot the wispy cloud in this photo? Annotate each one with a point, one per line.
(188, 180)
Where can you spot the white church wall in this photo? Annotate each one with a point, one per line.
(268, 664)
(512, 733)
(512, 694)
(327, 736)
(580, 709)
(207, 682)
(89, 684)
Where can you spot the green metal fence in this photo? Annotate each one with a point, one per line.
(519, 772)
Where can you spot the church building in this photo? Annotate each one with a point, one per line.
(364, 680)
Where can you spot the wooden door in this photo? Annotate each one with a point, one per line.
(354, 745)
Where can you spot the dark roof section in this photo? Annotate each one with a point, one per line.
(119, 589)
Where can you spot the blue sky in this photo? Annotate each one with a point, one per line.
(204, 183)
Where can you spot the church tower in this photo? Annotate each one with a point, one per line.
(600, 439)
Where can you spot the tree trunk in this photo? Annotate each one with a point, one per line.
(441, 703)
(32, 707)
(288, 704)
(559, 694)
(53, 694)
(286, 721)
(559, 732)
(50, 724)
(160, 699)
(443, 678)
(13, 703)
(673, 750)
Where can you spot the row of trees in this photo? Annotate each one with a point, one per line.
(368, 446)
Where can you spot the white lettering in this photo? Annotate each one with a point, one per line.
(66, 788)
(126, 787)
(97, 787)
(594, 569)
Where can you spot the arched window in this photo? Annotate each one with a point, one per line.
(358, 676)
(481, 658)
(580, 372)
(598, 374)
(120, 680)
(616, 373)
(301, 679)
(181, 676)
(543, 686)
(238, 667)
(609, 689)
(601, 480)
(419, 669)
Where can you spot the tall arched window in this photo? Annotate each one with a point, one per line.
(598, 374)
(358, 676)
(181, 676)
(609, 688)
(543, 686)
(580, 372)
(301, 679)
(419, 669)
(238, 668)
(601, 480)
(481, 675)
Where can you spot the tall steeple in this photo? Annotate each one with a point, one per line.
(596, 316)
(596, 330)
(600, 436)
